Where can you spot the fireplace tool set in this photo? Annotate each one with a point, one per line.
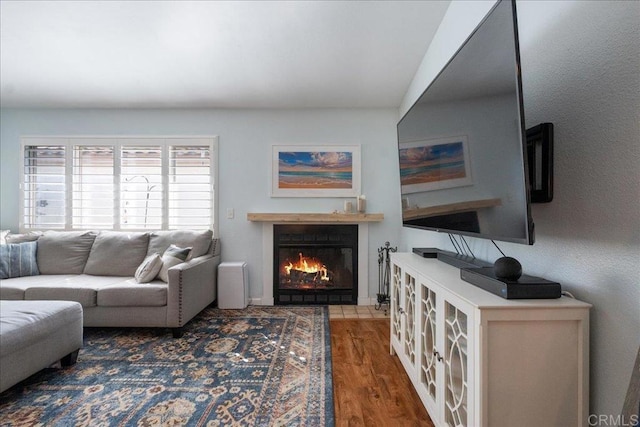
(384, 275)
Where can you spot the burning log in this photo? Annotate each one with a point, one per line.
(305, 277)
(306, 271)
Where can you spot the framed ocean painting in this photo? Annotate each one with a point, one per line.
(315, 171)
(434, 164)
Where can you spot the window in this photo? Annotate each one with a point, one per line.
(118, 183)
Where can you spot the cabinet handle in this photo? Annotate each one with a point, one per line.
(437, 355)
(401, 310)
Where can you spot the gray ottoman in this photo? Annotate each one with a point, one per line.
(36, 334)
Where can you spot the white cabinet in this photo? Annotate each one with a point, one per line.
(476, 359)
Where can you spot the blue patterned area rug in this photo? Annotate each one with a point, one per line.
(263, 366)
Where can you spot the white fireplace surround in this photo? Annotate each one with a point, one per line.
(267, 264)
(269, 219)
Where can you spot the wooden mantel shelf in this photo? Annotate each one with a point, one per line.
(315, 217)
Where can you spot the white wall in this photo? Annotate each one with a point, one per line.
(580, 63)
(245, 143)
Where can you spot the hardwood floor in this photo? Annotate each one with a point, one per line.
(370, 386)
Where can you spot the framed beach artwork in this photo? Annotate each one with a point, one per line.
(434, 164)
(315, 171)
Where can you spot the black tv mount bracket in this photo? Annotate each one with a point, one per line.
(540, 158)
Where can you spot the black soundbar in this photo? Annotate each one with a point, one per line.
(426, 252)
(526, 287)
(451, 258)
(461, 261)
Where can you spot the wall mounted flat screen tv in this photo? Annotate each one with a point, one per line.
(462, 145)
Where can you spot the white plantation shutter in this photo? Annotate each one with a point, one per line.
(44, 186)
(93, 190)
(118, 183)
(190, 186)
(141, 205)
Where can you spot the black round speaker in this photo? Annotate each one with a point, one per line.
(507, 268)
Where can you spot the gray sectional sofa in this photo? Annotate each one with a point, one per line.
(98, 269)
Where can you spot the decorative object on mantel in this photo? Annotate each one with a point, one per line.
(361, 203)
(315, 171)
(384, 275)
(315, 217)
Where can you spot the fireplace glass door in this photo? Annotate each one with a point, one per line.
(315, 264)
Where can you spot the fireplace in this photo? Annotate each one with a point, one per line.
(315, 264)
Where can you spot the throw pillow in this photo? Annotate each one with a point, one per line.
(3, 237)
(171, 257)
(18, 259)
(149, 268)
(200, 241)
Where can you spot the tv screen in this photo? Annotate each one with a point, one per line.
(462, 145)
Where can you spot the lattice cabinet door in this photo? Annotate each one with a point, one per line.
(408, 356)
(457, 357)
(430, 367)
(404, 316)
(397, 309)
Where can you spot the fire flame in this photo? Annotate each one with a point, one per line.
(308, 265)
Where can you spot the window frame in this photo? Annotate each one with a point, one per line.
(69, 142)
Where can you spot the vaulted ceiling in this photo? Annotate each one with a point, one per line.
(212, 54)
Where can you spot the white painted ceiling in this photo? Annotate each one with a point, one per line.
(212, 54)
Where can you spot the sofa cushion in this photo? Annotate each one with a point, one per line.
(81, 288)
(64, 252)
(31, 236)
(131, 294)
(11, 292)
(18, 259)
(172, 257)
(16, 287)
(200, 241)
(117, 253)
(83, 295)
(149, 269)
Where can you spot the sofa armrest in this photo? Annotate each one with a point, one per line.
(192, 287)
